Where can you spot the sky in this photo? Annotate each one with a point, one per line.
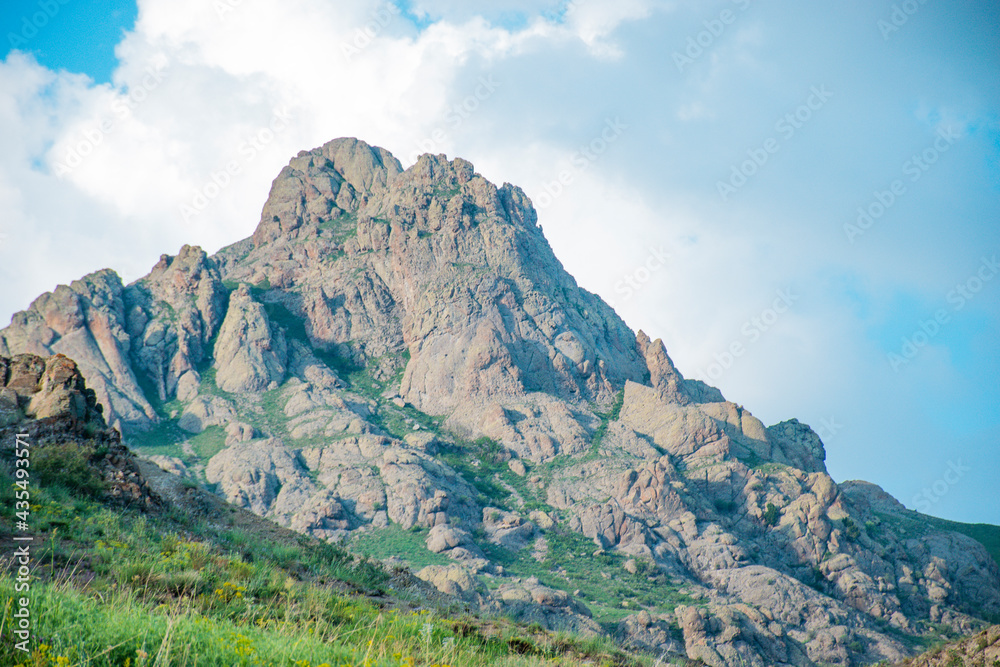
(801, 199)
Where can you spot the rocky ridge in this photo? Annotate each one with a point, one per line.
(399, 353)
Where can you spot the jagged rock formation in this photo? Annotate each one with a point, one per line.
(46, 404)
(399, 350)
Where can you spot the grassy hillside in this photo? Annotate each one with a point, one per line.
(113, 586)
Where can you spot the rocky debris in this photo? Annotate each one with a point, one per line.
(173, 314)
(239, 432)
(324, 516)
(797, 445)
(537, 427)
(517, 467)
(321, 184)
(37, 388)
(663, 375)
(729, 637)
(609, 526)
(452, 580)
(316, 409)
(507, 529)
(529, 601)
(542, 519)
(169, 464)
(376, 474)
(443, 537)
(205, 411)
(683, 431)
(653, 634)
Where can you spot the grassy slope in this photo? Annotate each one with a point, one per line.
(183, 587)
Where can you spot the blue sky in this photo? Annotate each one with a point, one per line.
(740, 138)
(75, 35)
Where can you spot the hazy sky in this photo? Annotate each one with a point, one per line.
(801, 199)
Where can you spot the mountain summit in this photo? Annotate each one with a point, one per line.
(396, 360)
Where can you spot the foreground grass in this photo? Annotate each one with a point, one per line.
(121, 627)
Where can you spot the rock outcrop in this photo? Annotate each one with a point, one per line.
(251, 354)
(397, 352)
(47, 408)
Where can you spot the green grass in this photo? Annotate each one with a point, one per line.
(613, 413)
(164, 439)
(341, 228)
(571, 564)
(209, 442)
(304, 628)
(209, 387)
(446, 194)
(395, 540)
(272, 419)
(481, 463)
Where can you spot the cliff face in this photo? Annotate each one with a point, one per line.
(399, 350)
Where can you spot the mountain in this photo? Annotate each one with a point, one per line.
(397, 362)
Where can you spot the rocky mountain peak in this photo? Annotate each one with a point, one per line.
(335, 179)
(400, 350)
(437, 262)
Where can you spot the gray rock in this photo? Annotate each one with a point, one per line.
(250, 354)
